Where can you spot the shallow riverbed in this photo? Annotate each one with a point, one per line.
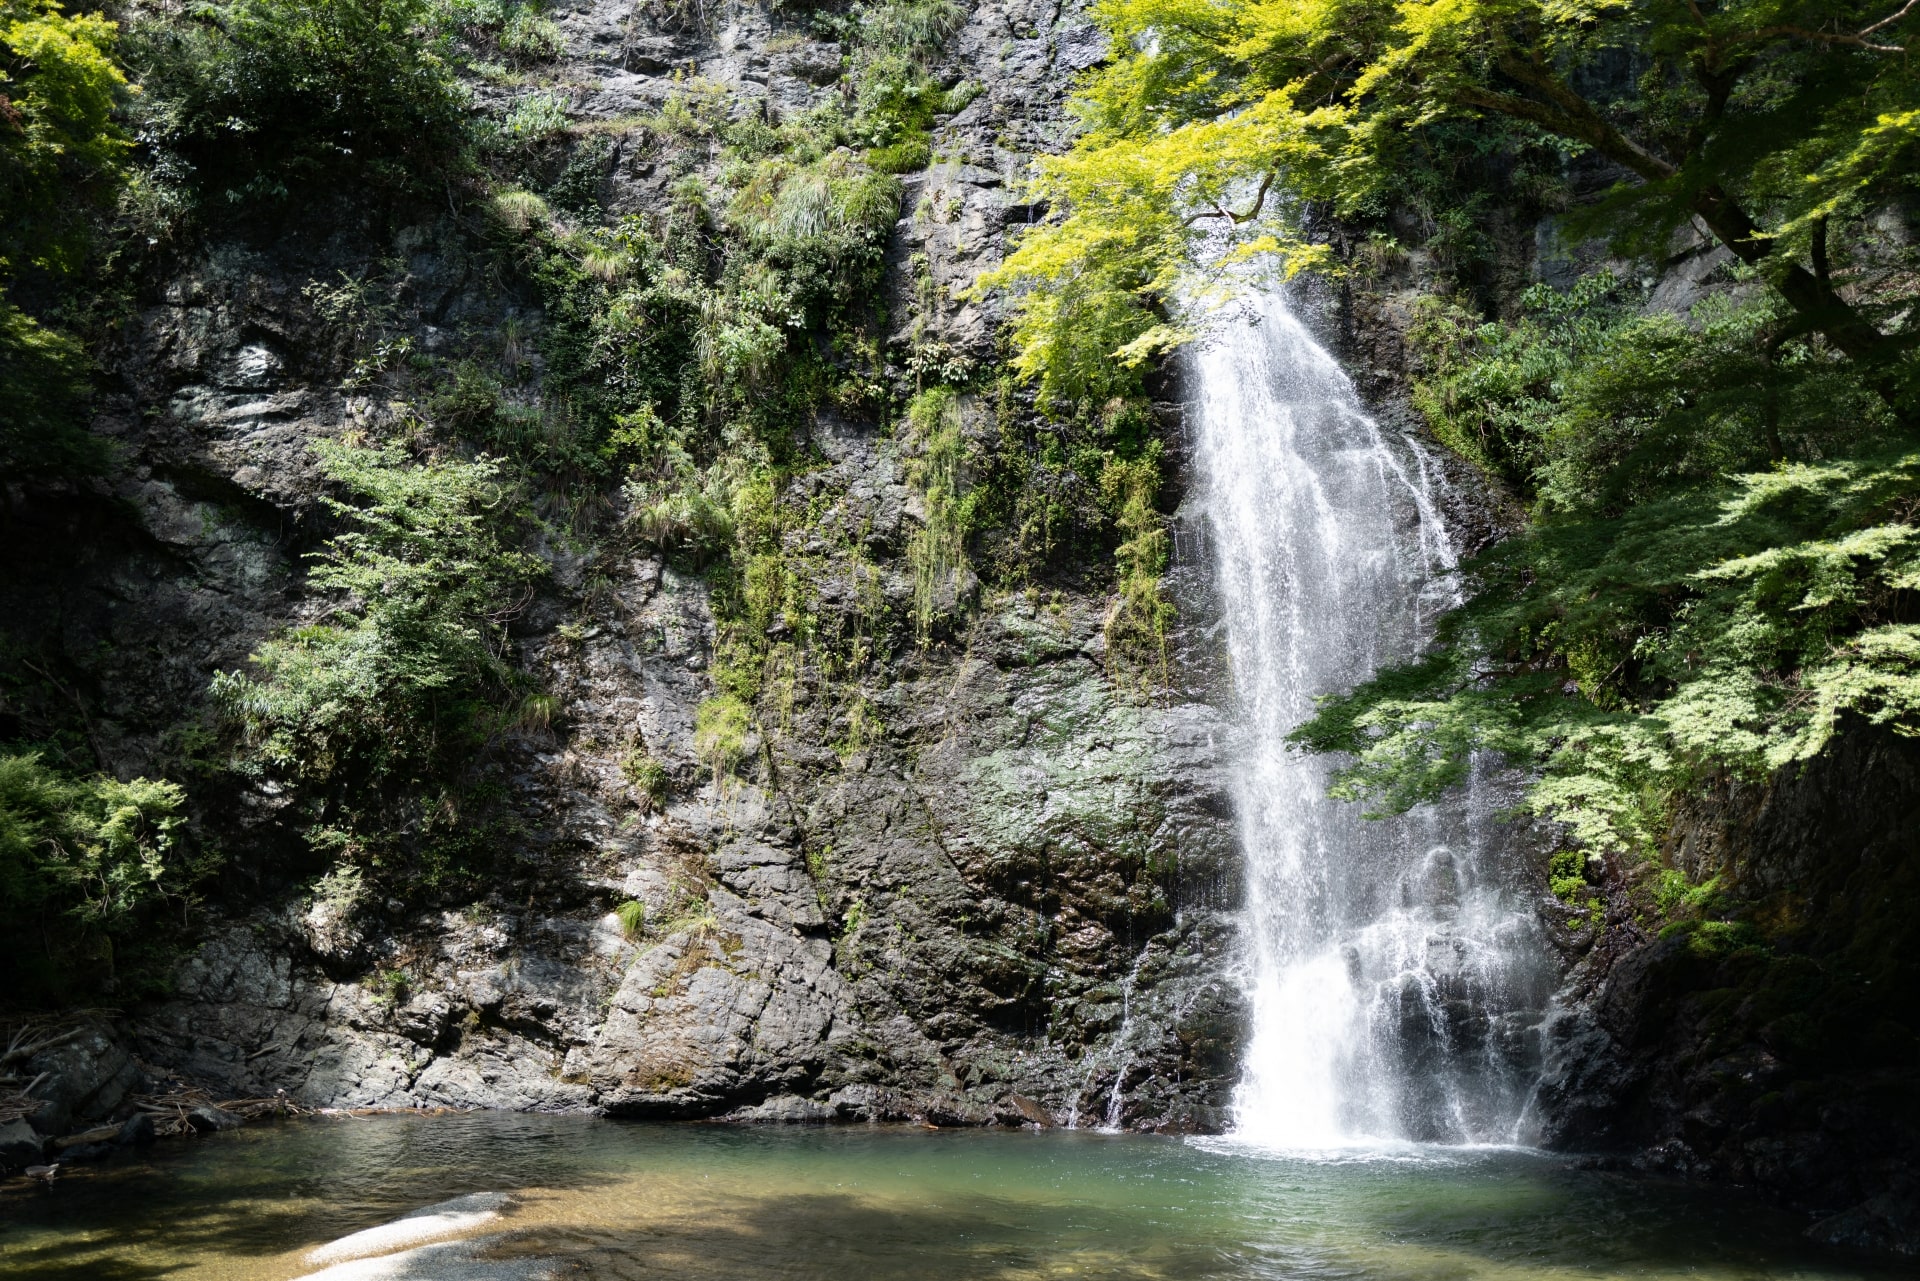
(600, 1199)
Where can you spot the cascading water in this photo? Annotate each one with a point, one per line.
(1396, 973)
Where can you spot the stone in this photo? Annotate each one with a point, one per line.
(447, 1218)
(919, 925)
(81, 1153)
(100, 1134)
(20, 1145)
(87, 1077)
(424, 1018)
(786, 1109)
(467, 1260)
(136, 1132)
(1888, 1223)
(1030, 1111)
(208, 1119)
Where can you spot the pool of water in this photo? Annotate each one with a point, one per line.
(602, 1199)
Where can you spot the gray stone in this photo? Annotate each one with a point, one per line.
(20, 1145)
(87, 1077)
(914, 925)
(208, 1119)
(786, 1109)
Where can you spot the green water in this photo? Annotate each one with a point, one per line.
(601, 1199)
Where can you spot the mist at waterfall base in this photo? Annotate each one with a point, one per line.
(1395, 970)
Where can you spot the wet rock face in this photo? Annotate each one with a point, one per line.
(1773, 1044)
(1005, 902)
(1024, 897)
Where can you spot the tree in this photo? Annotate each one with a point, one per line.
(262, 98)
(87, 866)
(1720, 569)
(61, 158)
(401, 684)
(60, 149)
(1768, 123)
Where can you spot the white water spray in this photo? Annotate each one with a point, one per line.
(1395, 974)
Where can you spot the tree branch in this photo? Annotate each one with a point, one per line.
(1891, 18)
(1568, 114)
(24, 1044)
(1858, 41)
(1581, 123)
(1218, 211)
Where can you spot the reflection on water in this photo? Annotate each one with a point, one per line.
(599, 1199)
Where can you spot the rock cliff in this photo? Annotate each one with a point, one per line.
(1006, 904)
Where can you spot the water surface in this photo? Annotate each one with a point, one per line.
(602, 1199)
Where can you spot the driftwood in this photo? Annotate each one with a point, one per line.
(29, 1039)
(25, 1040)
(18, 1107)
(171, 1110)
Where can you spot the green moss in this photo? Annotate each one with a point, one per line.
(259, 100)
(936, 468)
(720, 729)
(1137, 624)
(648, 776)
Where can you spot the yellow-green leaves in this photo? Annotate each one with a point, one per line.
(1761, 121)
(1151, 215)
(58, 138)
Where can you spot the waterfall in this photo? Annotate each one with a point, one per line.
(1395, 971)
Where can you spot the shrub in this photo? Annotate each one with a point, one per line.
(43, 385)
(530, 36)
(648, 776)
(402, 680)
(258, 99)
(87, 866)
(1719, 574)
(61, 160)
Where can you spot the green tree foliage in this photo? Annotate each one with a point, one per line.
(61, 159)
(1778, 125)
(60, 149)
(88, 868)
(256, 99)
(1719, 575)
(43, 389)
(398, 688)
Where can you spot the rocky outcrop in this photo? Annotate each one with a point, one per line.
(1020, 893)
(1771, 1040)
(1001, 901)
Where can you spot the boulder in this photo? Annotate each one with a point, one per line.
(87, 1078)
(136, 1132)
(20, 1146)
(100, 1134)
(206, 1119)
(787, 1109)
